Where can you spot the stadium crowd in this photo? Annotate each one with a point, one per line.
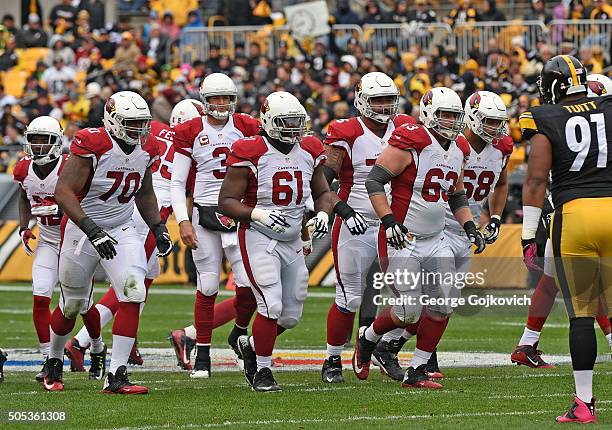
(67, 64)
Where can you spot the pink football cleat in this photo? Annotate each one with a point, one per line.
(580, 412)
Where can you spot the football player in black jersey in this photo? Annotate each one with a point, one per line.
(571, 137)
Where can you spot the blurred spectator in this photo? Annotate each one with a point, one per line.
(104, 43)
(95, 113)
(400, 13)
(97, 12)
(601, 10)
(538, 12)
(421, 13)
(33, 34)
(59, 49)
(373, 13)
(8, 21)
(194, 19)
(127, 52)
(344, 14)
(163, 104)
(8, 58)
(462, 13)
(75, 108)
(168, 27)
(212, 62)
(55, 78)
(490, 12)
(178, 9)
(158, 46)
(5, 100)
(348, 65)
(10, 121)
(237, 12)
(62, 17)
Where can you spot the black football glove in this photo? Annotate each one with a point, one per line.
(101, 240)
(354, 221)
(162, 239)
(475, 236)
(397, 234)
(492, 229)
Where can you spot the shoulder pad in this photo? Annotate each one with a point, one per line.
(247, 148)
(410, 136)
(313, 146)
(20, 172)
(463, 144)
(248, 125)
(505, 145)
(91, 142)
(184, 135)
(402, 119)
(528, 124)
(345, 130)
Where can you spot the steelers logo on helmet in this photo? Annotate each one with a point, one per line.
(561, 76)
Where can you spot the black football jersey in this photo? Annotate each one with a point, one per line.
(580, 132)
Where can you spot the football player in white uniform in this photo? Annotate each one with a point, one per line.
(352, 146)
(108, 171)
(37, 175)
(598, 85)
(424, 164)
(206, 142)
(269, 180)
(160, 172)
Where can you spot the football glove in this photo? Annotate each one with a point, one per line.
(475, 236)
(274, 220)
(26, 234)
(101, 240)
(45, 210)
(530, 255)
(162, 239)
(306, 247)
(354, 221)
(397, 234)
(492, 229)
(318, 226)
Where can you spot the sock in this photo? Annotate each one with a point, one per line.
(411, 329)
(204, 317)
(604, 324)
(109, 300)
(530, 337)
(394, 334)
(190, 332)
(41, 315)
(92, 324)
(420, 357)
(264, 335)
(264, 362)
(224, 312)
(245, 305)
(147, 283)
(125, 328)
(105, 316)
(203, 352)
(339, 325)
(252, 342)
(371, 335)
(429, 333)
(381, 325)
(609, 337)
(542, 301)
(61, 327)
(583, 349)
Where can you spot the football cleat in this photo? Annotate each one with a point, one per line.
(249, 358)
(580, 412)
(40, 376)
(417, 378)
(264, 381)
(201, 370)
(385, 357)
(362, 354)
(232, 340)
(54, 373)
(3, 359)
(530, 356)
(135, 359)
(431, 368)
(98, 364)
(179, 342)
(120, 384)
(331, 372)
(76, 355)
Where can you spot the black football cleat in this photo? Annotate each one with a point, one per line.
(120, 384)
(362, 354)
(232, 340)
(331, 373)
(385, 357)
(3, 359)
(135, 359)
(249, 358)
(53, 380)
(264, 381)
(98, 364)
(76, 355)
(417, 378)
(40, 376)
(201, 369)
(431, 368)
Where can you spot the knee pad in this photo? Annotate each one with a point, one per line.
(267, 272)
(440, 311)
(353, 303)
(288, 322)
(208, 283)
(407, 314)
(134, 290)
(275, 310)
(73, 307)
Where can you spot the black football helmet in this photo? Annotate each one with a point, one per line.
(561, 76)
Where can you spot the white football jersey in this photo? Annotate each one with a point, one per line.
(480, 175)
(161, 170)
(116, 177)
(278, 181)
(209, 147)
(362, 148)
(41, 191)
(419, 194)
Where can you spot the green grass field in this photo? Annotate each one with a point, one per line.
(485, 397)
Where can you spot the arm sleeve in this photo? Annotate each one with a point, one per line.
(178, 186)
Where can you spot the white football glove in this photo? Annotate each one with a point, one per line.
(318, 226)
(397, 234)
(274, 220)
(44, 210)
(492, 229)
(356, 224)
